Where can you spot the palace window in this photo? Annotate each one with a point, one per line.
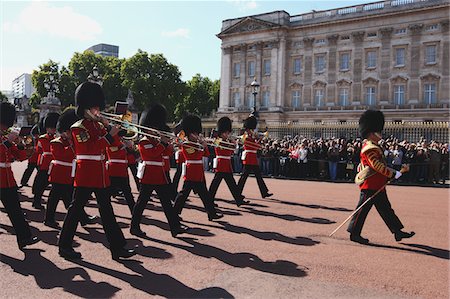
(319, 97)
(345, 37)
(371, 34)
(344, 62)
(371, 59)
(237, 99)
(250, 99)
(343, 96)
(370, 95)
(265, 99)
(400, 31)
(296, 97)
(429, 95)
(251, 68)
(430, 54)
(400, 56)
(320, 63)
(399, 94)
(297, 66)
(431, 27)
(267, 67)
(237, 70)
(320, 41)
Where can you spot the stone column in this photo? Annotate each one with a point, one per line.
(274, 74)
(444, 85)
(281, 82)
(385, 70)
(308, 68)
(358, 52)
(415, 62)
(225, 80)
(244, 71)
(332, 58)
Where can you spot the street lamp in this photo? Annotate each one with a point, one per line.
(255, 87)
(51, 85)
(95, 76)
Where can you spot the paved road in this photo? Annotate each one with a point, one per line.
(273, 248)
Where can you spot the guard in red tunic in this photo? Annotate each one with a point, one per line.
(32, 160)
(132, 157)
(249, 158)
(167, 154)
(179, 159)
(62, 170)
(194, 177)
(117, 166)
(10, 152)
(152, 172)
(373, 175)
(91, 138)
(222, 163)
(44, 158)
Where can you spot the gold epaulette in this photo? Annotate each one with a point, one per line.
(43, 135)
(369, 145)
(78, 124)
(56, 140)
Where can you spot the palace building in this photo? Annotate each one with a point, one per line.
(331, 65)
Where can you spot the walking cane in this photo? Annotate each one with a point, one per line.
(403, 170)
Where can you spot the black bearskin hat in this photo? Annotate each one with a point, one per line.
(88, 95)
(35, 130)
(51, 120)
(371, 121)
(250, 122)
(7, 114)
(192, 124)
(154, 117)
(66, 120)
(223, 125)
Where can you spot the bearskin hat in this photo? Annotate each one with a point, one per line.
(7, 114)
(250, 122)
(154, 116)
(192, 124)
(371, 121)
(88, 95)
(66, 120)
(51, 120)
(224, 125)
(35, 130)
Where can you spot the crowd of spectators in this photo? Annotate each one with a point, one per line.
(336, 159)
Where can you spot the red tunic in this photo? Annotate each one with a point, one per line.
(372, 155)
(151, 153)
(117, 164)
(8, 155)
(168, 152)
(131, 156)
(33, 159)
(223, 157)
(90, 140)
(60, 170)
(179, 157)
(194, 163)
(249, 156)
(43, 149)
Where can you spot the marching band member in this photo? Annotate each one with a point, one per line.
(9, 152)
(117, 166)
(91, 138)
(168, 152)
(222, 163)
(32, 160)
(44, 158)
(249, 158)
(132, 157)
(194, 177)
(62, 170)
(153, 174)
(373, 176)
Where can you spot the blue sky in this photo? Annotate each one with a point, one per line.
(32, 32)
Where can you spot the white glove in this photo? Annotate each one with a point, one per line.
(398, 174)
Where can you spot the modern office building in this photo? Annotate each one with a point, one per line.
(331, 65)
(22, 86)
(105, 50)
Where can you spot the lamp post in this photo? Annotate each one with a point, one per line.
(95, 76)
(255, 87)
(52, 87)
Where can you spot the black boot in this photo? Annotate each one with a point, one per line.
(180, 230)
(122, 253)
(29, 241)
(69, 254)
(215, 216)
(399, 235)
(359, 239)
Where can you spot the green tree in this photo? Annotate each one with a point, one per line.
(3, 98)
(39, 76)
(201, 98)
(81, 65)
(112, 80)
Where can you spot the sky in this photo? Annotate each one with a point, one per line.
(32, 32)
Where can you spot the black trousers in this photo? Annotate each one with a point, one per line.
(201, 190)
(64, 192)
(112, 230)
(10, 200)
(383, 207)
(39, 185)
(122, 184)
(164, 193)
(28, 172)
(228, 177)
(133, 168)
(248, 169)
(176, 178)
